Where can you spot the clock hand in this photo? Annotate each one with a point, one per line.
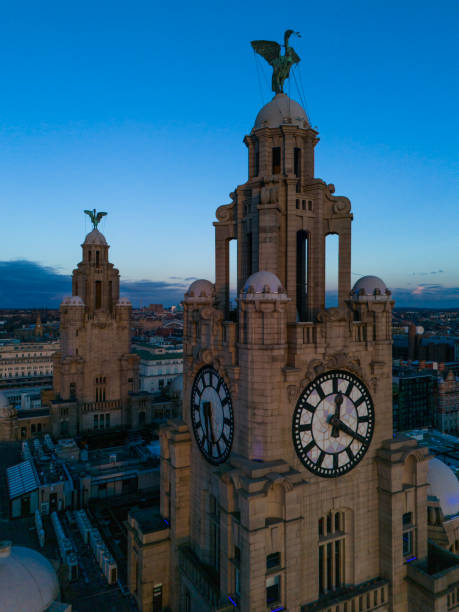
(211, 421)
(338, 423)
(206, 418)
(338, 401)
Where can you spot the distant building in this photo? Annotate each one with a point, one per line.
(23, 360)
(412, 401)
(64, 476)
(158, 366)
(447, 408)
(95, 374)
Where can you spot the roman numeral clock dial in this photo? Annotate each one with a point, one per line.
(333, 423)
(212, 415)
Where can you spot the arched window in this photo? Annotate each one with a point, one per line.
(331, 270)
(302, 252)
(332, 542)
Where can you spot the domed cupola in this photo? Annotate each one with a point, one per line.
(370, 288)
(95, 238)
(200, 290)
(263, 285)
(28, 582)
(282, 110)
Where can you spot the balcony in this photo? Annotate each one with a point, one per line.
(365, 597)
(105, 406)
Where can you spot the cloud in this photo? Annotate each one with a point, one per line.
(427, 273)
(427, 295)
(28, 284)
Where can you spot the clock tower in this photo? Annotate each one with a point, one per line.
(282, 487)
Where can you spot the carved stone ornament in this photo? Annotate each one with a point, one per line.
(374, 383)
(206, 356)
(336, 361)
(341, 313)
(206, 313)
(292, 392)
(225, 212)
(342, 205)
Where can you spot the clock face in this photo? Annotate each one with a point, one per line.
(333, 423)
(212, 415)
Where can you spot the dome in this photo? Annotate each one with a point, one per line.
(201, 288)
(28, 582)
(124, 301)
(370, 288)
(444, 485)
(96, 238)
(263, 283)
(73, 300)
(281, 110)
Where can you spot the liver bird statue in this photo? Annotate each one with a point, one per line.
(95, 216)
(271, 52)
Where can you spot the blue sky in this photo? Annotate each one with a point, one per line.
(140, 108)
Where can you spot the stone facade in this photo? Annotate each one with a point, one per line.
(260, 531)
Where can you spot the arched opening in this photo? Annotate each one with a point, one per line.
(302, 253)
(331, 270)
(232, 274)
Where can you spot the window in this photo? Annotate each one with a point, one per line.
(276, 156)
(297, 161)
(273, 560)
(72, 390)
(256, 169)
(302, 253)
(273, 593)
(157, 598)
(89, 256)
(98, 295)
(96, 421)
(237, 571)
(107, 420)
(331, 551)
(214, 533)
(408, 535)
(97, 258)
(101, 382)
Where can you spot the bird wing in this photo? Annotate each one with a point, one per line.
(88, 212)
(268, 49)
(100, 215)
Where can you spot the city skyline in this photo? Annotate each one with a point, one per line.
(116, 111)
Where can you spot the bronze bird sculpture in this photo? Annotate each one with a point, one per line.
(95, 216)
(271, 52)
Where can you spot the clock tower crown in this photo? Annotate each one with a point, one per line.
(282, 215)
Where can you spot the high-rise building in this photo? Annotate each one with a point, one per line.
(282, 488)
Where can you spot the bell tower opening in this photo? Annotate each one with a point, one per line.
(276, 160)
(331, 270)
(302, 256)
